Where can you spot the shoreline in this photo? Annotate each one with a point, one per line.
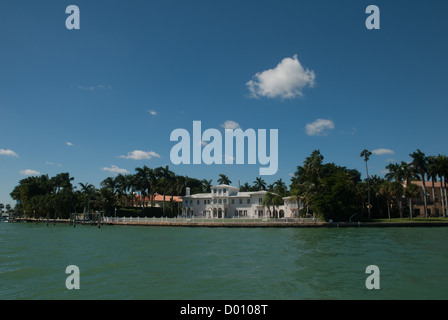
(233, 224)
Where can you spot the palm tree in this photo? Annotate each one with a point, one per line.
(245, 187)
(296, 195)
(223, 179)
(366, 154)
(280, 187)
(259, 184)
(420, 164)
(268, 200)
(408, 174)
(396, 172)
(277, 201)
(121, 187)
(181, 183)
(143, 182)
(88, 191)
(411, 192)
(386, 192)
(433, 173)
(109, 183)
(313, 166)
(105, 199)
(442, 171)
(397, 192)
(307, 190)
(164, 179)
(206, 185)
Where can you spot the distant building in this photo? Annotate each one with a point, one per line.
(434, 205)
(156, 200)
(226, 201)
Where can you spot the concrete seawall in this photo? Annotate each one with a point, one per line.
(235, 224)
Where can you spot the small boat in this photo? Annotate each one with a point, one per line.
(5, 217)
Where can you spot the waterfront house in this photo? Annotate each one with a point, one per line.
(225, 201)
(434, 197)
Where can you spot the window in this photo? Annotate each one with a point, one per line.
(245, 213)
(215, 201)
(214, 190)
(241, 201)
(260, 201)
(248, 200)
(205, 201)
(219, 191)
(224, 201)
(208, 201)
(219, 201)
(224, 190)
(233, 201)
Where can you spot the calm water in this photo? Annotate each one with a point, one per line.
(118, 262)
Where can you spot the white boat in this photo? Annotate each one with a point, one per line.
(5, 217)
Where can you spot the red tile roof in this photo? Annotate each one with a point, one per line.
(159, 198)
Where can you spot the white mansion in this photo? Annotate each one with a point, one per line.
(226, 201)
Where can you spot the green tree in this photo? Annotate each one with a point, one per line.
(223, 179)
(366, 155)
(420, 165)
(411, 192)
(165, 178)
(280, 187)
(336, 198)
(386, 191)
(268, 200)
(206, 185)
(259, 184)
(88, 191)
(442, 172)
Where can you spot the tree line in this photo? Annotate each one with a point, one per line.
(325, 190)
(57, 197)
(338, 193)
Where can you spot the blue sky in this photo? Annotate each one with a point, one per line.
(83, 100)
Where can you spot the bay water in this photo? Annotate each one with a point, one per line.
(190, 263)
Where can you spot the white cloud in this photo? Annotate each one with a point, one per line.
(320, 127)
(152, 112)
(9, 153)
(69, 144)
(115, 169)
(229, 124)
(29, 172)
(140, 155)
(53, 164)
(92, 88)
(286, 80)
(382, 151)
